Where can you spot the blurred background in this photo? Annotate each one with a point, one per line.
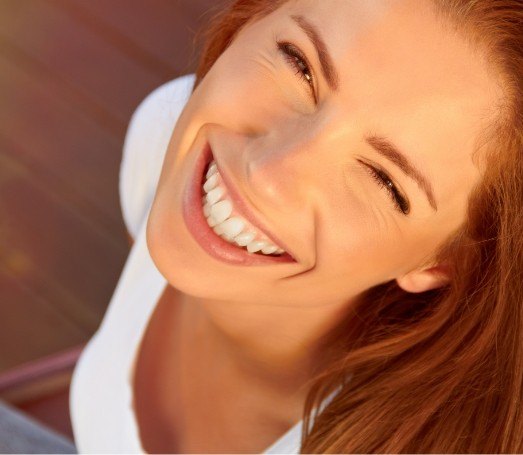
(71, 74)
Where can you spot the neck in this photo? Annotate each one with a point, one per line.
(278, 347)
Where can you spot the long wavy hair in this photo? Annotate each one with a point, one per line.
(438, 371)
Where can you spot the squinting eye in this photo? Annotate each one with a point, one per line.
(299, 62)
(384, 181)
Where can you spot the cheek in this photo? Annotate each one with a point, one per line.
(351, 238)
(245, 94)
(360, 236)
(360, 239)
(364, 256)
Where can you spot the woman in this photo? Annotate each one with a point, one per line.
(335, 235)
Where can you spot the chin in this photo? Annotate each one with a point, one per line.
(169, 245)
(177, 257)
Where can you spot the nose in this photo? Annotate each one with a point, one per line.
(283, 166)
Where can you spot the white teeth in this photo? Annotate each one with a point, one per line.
(217, 213)
(211, 221)
(269, 249)
(257, 245)
(218, 229)
(231, 227)
(244, 238)
(211, 182)
(221, 210)
(206, 208)
(215, 195)
(228, 238)
(212, 170)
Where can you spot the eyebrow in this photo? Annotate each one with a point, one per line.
(386, 148)
(326, 61)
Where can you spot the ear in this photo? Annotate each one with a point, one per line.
(425, 279)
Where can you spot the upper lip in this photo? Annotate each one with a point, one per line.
(245, 209)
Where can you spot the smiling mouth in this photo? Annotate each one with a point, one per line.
(227, 221)
(224, 239)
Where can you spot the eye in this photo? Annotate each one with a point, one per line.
(384, 181)
(299, 62)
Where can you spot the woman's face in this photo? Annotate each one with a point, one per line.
(406, 98)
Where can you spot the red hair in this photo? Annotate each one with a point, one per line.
(439, 371)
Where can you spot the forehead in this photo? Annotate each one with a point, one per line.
(406, 74)
(387, 48)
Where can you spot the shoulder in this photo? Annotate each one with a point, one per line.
(146, 140)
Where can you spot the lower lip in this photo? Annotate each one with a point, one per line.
(197, 225)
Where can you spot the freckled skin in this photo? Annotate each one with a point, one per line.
(402, 75)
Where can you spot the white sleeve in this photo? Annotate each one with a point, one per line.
(145, 144)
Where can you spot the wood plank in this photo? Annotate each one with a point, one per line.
(201, 9)
(168, 47)
(40, 380)
(77, 55)
(52, 410)
(72, 173)
(49, 248)
(41, 388)
(127, 25)
(31, 326)
(66, 147)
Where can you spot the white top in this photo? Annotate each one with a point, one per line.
(101, 409)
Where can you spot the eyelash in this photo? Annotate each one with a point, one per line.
(300, 63)
(384, 181)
